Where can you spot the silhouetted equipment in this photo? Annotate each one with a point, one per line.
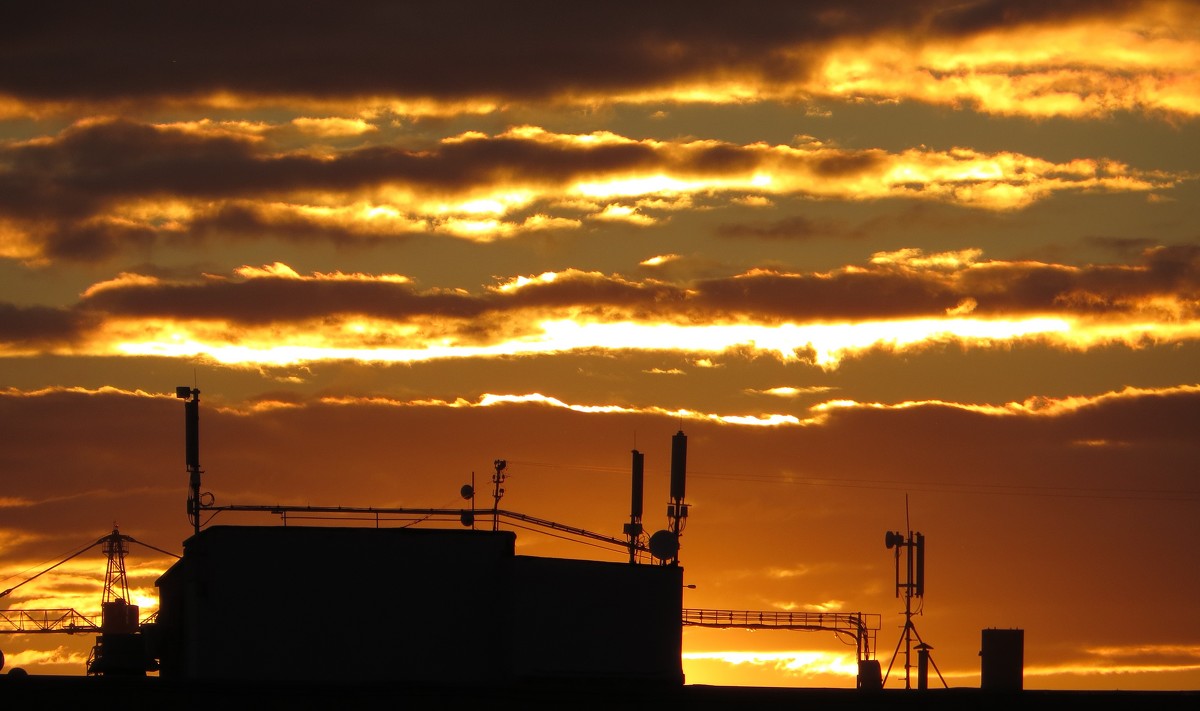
(913, 586)
(634, 529)
(561, 618)
(498, 491)
(1002, 660)
(121, 648)
(467, 518)
(677, 511)
(664, 545)
(857, 626)
(635, 499)
(191, 416)
(125, 646)
(678, 465)
(923, 665)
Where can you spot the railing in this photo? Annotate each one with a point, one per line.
(50, 620)
(862, 627)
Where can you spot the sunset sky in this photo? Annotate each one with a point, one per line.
(928, 266)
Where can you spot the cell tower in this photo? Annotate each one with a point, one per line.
(677, 511)
(913, 586)
(664, 544)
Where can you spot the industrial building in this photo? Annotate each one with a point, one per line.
(312, 603)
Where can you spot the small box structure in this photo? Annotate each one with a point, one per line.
(1002, 660)
(287, 603)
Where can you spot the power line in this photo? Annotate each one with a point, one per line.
(976, 488)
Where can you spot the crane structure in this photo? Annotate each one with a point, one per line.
(120, 648)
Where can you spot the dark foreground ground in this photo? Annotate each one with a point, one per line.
(131, 694)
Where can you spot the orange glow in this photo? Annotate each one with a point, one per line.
(493, 206)
(417, 340)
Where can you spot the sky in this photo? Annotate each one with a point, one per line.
(927, 266)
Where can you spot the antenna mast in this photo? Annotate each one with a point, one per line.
(191, 415)
(633, 529)
(497, 491)
(912, 586)
(677, 511)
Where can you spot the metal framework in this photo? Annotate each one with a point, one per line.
(863, 628)
(59, 620)
(68, 620)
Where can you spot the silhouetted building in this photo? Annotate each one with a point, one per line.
(400, 604)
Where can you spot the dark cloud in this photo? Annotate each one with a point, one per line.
(279, 300)
(796, 227)
(837, 165)
(95, 241)
(846, 295)
(40, 326)
(1172, 271)
(147, 50)
(875, 291)
(981, 15)
(234, 222)
(61, 188)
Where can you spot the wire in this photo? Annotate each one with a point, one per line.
(427, 516)
(565, 538)
(922, 486)
(160, 550)
(72, 552)
(47, 570)
(968, 488)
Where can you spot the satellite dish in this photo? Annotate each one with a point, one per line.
(893, 539)
(467, 491)
(664, 545)
(467, 518)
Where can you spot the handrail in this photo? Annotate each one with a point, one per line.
(429, 512)
(861, 626)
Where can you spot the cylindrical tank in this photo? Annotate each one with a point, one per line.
(118, 617)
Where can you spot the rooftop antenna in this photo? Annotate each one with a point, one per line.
(633, 529)
(497, 491)
(191, 418)
(913, 586)
(677, 511)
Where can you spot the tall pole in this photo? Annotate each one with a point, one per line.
(497, 492)
(912, 586)
(908, 593)
(633, 529)
(677, 511)
(191, 412)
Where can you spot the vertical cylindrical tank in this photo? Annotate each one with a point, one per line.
(635, 499)
(678, 465)
(923, 666)
(1002, 660)
(118, 617)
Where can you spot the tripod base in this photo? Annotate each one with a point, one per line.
(924, 658)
